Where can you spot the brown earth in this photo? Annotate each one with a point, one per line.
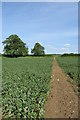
(62, 100)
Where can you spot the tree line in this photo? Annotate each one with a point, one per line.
(70, 54)
(15, 47)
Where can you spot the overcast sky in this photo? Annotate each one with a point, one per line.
(54, 25)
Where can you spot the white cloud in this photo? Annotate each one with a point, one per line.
(65, 50)
(67, 45)
(62, 48)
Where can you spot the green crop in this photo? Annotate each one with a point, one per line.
(25, 83)
(0, 78)
(70, 64)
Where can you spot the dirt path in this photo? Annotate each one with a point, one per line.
(62, 101)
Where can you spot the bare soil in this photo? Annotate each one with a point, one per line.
(62, 100)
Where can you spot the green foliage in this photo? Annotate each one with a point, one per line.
(0, 78)
(25, 82)
(0, 55)
(71, 66)
(69, 54)
(38, 50)
(14, 46)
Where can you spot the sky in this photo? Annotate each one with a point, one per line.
(40, 0)
(54, 25)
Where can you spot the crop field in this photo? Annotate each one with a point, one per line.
(0, 78)
(70, 65)
(25, 84)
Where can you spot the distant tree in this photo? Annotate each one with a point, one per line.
(38, 49)
(14, 46)
(0, 54)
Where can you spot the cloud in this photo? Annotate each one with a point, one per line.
(65, 50)
(62, 48)
(67, 45)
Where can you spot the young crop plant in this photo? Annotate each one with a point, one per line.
(71, 66)
(25, 83)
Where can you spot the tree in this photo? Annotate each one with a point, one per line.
(14, 46)
(38, 50)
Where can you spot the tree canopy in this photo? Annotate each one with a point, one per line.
(14, 46)
(38, 49)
